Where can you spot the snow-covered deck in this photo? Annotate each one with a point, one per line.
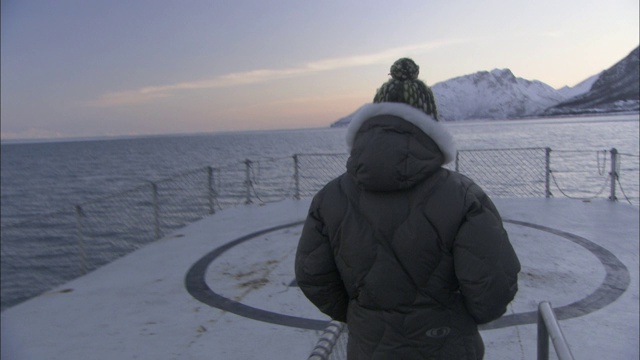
(222, 288)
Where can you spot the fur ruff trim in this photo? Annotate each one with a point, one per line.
(424, 122)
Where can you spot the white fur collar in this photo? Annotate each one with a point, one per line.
(424, 122)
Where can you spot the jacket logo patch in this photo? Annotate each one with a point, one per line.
(438, 332)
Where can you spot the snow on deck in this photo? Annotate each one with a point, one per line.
(222, 288)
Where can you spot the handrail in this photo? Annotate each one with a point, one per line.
(324, 346)
(548, 326)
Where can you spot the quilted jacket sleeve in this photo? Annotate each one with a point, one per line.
(485, 263)
(315, 268)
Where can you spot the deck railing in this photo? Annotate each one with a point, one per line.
(43, 252)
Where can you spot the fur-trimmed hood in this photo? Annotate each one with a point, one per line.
(424, 122)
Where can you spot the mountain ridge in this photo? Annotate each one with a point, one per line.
(616, 89)
(495, 94)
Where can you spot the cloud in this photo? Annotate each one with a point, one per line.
(150, 93)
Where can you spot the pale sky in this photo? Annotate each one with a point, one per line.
(89, 68)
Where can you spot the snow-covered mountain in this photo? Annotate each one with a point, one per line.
(496, 94)
(499, 94)
(616, 89)
(579, 89)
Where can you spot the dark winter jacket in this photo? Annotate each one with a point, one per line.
(410, 255)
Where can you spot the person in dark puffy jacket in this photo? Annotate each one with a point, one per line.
(410, 255)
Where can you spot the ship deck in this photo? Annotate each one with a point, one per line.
(223, 288)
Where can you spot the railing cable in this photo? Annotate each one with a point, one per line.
(555, 181)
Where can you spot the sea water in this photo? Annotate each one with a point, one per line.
(44, 177)
(39, 178)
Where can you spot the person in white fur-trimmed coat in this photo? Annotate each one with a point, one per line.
(410, 255)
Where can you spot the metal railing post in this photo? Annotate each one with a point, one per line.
(210, 190)
(79, 232)
(543, 337)
(156, 210)
(613, 174)
(548, 327)
(547, 172)
(296, 176)
(247, 181)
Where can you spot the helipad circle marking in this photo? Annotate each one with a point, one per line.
(198, 288)
(615, 283)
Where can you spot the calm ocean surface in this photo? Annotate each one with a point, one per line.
(42, 178)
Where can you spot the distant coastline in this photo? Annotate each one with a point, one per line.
(141, 136)
(344, 122)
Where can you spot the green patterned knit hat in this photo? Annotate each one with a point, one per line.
(404, 87)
